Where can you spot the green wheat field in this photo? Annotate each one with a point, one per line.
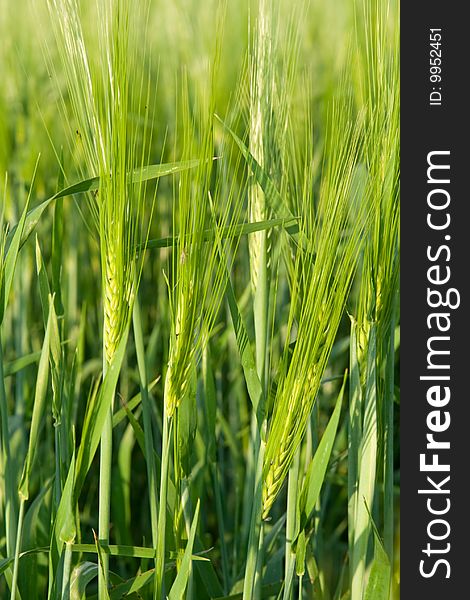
(199, 299)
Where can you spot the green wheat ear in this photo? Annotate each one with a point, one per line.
(261, 126)
(322, 273)
(105, 87)
(205, 200)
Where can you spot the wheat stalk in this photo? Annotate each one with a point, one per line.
(373, 328)
(204, 200)
(103, 94)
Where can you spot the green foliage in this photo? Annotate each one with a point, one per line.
(209, 241)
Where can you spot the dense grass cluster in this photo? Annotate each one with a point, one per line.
(199, 317)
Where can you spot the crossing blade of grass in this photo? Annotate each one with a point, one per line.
(132, 585)
(136, 429)
(289, 225)
(29, 221)
(14, 366)
(273, 197)
(133, 403)
(115, 550)
(81, 576)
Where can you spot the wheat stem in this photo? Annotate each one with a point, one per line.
(252, 581)
(19, 538)
(111, 303)
(159, 592)
(106, 454)
(292, 493)
(67, 571)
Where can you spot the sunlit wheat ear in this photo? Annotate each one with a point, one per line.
(261, 83)
(300, 391)
(106, 87)
(321, 278)
(181, 353)
(205, 201)
(106, 84)
(112, 304)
